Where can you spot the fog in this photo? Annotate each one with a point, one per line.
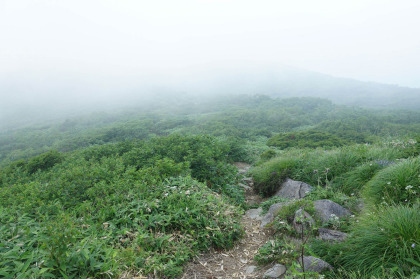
(63, 57)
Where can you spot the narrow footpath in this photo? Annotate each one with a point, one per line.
(239, 261)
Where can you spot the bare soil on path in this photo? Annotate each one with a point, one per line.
(233, 263)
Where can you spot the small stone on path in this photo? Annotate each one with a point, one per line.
(254, 214)
(248, 180)
(275, 272)
(246, 187)
(250, 269)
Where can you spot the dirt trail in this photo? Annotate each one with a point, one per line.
(233, 263)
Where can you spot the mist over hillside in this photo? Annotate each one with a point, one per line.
(292, 82)
(48, 97)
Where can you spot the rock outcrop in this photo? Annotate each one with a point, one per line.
(326, 210)
(331, 235)
(275, 272)
(254, 214)
(313, 264)
(272, 212)
(292, 189)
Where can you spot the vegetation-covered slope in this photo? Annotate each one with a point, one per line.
(142, 193)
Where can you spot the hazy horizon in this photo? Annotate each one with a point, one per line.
(77, 53)
(365, 40)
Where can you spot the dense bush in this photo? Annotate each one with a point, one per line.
(44, 161)
(131, 202)
(154, 228)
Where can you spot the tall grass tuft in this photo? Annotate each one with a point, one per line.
(385, 241)
(269, 176)
(399, 183)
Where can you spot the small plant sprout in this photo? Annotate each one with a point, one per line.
(302, 220)
(327, 170)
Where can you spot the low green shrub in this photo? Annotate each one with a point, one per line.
(287, 212)
(276, 251)
(268, 154)
(311, 138)
(153, 228)
(44, 161)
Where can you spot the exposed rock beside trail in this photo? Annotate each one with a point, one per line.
(272, 212)
(331, 235)
(275, 272)
(292, 189)
(254, 214)
(250, 269)
(326, 210)
(313, 264)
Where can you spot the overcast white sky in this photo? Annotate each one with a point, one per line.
(376, 40)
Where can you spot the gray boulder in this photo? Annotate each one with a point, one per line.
(254, 214)
(326, 209)
(331, 235)
(275, 272)
(302, 215)
(313, 264)
(292, 189)
(272, 212)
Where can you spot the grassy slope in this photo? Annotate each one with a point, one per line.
(385, 176)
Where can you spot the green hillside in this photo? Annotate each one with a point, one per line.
(143, 192)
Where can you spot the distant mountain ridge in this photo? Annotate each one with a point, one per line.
(292, 82)
(32, 99)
